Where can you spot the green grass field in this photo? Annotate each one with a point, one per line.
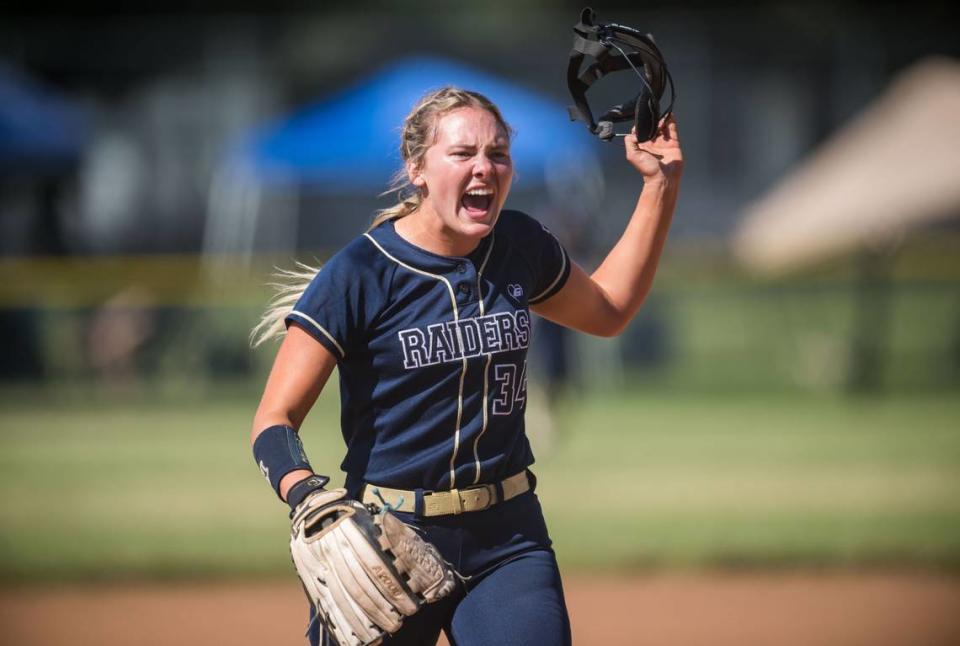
(91, 488)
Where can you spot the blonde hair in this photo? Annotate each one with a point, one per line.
(418, 133)
(287, 289)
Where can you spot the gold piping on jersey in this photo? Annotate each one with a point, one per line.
(463, 373)
(486, 367)
(322, 330)
(483, 265)
(563, 268)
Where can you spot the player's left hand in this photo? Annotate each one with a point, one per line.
(660, 158)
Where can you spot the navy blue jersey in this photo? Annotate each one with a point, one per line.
(431, 352)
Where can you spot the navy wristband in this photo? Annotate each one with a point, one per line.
(278, 451)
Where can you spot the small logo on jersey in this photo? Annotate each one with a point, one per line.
(515, 290)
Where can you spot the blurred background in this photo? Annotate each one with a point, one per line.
(786, 401)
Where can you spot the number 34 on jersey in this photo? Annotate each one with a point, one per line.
(511, 388)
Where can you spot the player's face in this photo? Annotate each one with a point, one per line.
(466, 174)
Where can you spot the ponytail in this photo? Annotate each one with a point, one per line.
(288, 287)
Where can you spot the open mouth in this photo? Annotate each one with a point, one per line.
(477, 201)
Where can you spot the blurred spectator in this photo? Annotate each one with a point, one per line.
(116, 333)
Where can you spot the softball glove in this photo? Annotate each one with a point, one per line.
(363, 572)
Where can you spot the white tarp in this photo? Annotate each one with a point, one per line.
(895, 166)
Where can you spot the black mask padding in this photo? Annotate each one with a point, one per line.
(620, 112)
(647, 117)
(647, 104)
(643, 110)
(615, 48)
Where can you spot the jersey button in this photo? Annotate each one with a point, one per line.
(464, 288)
(462, 267)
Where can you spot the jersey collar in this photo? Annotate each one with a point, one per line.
(386, 234)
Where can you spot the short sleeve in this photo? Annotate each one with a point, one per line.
(334, 308)
(552, 263)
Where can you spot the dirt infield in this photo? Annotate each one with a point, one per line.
(661, 610)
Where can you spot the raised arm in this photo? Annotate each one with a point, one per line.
(604, 303)
(299, 373)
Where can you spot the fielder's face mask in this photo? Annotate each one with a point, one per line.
(614, 48)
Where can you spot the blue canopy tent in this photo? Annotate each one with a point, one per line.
(347, 143)
(42, 136)
(39, 129)
(337, 155)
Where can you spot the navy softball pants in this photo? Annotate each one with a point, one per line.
(512, 595)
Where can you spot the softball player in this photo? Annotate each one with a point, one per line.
(427, 318)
